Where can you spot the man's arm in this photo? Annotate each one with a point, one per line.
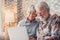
(55, 29)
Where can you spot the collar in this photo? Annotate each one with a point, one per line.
(27, 21)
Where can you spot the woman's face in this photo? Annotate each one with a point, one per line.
(32, 15)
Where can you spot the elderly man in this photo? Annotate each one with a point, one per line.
(49, 26)
(30, 23)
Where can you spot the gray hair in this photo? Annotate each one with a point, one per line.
(45, 5)
(31, 8)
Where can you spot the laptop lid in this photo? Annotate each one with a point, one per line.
(18, 33)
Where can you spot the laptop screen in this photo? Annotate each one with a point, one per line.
(18, 33)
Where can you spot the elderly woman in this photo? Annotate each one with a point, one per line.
(49, 25)
(30, 23)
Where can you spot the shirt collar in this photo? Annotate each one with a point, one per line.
(27, 21)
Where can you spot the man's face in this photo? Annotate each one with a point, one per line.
(32, 15)
(42, 13)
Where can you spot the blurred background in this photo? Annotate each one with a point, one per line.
(12, 11)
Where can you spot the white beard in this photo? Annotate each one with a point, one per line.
(42, 19)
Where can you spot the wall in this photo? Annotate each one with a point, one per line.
(0, 14)
(9, 13)
(53, 4)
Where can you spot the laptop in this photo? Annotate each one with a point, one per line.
(18, 33)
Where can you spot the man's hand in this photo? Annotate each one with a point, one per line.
(51, 38)
(32, 38)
